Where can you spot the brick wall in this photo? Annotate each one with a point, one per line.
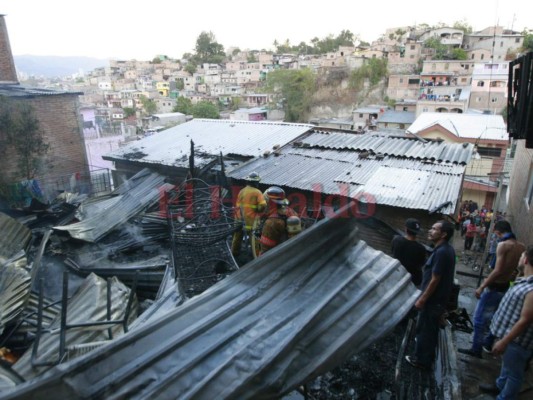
(520, 215)
(58, 120)
(8, 73)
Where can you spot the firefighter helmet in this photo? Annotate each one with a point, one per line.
(275, 194)
(253, 176)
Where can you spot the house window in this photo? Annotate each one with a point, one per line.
(501, 44)
(482, 56)
(494, 152)
(412, 56)
(517, 40)
(446, 66)
(412, 47)
(360, 115)
(494, 99)
(472, 56)
(401, 80)
(481, 83)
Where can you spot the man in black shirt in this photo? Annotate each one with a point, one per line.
(437, 283)
(410, 253)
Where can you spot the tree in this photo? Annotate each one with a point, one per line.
(156, 60)
(208, 50)
(251, 58)
(149, 105)
(183, 105)
(179, 84)
(128, 111)
(190, 67)
(294, 90)
(527, 45)
(20, 130)
(205, 109)
(458, 54)
(464, 26)
(436, 44)
(373, 71)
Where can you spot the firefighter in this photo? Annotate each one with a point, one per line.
(250, 204)
(281, 221)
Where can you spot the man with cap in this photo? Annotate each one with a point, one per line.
(410, 253)
(250, 204)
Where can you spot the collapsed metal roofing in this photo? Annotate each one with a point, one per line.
(140, 191)
(15, 237)
(171, 147)
(288, 316)
(399, 172)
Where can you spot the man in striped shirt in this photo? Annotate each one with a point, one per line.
(512, 324)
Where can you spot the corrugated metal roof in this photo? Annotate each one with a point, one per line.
(211, 137)
(326, 170)
(395, 146)
(468, 126)
(15, 288)
(397, 117)
(290, 315)
(148, 188)
(89, 304)
(13, 90)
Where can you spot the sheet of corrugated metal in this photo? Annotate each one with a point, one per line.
(15, 287)
(288, 316)
(399, 147)
(14, 237)
(144, 194)
(89, 304)
(211, 137)
(434, 183)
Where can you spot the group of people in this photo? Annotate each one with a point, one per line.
(503, 319)
(269, 211)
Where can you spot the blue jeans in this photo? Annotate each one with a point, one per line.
(514, 363)
(427, 333)
(485, 309)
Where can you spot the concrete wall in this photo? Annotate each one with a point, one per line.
(519, 212)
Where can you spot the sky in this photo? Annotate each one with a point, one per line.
(128, 29)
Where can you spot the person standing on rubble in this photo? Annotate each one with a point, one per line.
(493, 288)
(281, 221)
(512, 324)
(410, 253)
(250, 204)
(437, 283)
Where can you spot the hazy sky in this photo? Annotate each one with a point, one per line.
(135, 29)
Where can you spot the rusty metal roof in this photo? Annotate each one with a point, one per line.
(211, 137)
(288, 316)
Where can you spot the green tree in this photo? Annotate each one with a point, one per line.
(205, 109)
(373, 71)
(208, 50)
(20, 131)
(149, 105)
(128, 111)
(191, 67)
(179, 84)
(294, 90)
(527, 45)
(436, 44)
(251, 58)
(463, 25)
(156, 60)
(458, 54)
(183, 105)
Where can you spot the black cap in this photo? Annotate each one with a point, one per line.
(412, 225)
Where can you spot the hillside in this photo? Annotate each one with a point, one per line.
(55, 66)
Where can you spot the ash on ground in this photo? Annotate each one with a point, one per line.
(367, 375)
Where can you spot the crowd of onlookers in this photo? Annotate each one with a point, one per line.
(474, 224)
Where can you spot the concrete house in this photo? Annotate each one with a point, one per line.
(488, 134)
(495, 39)
(489, 87)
